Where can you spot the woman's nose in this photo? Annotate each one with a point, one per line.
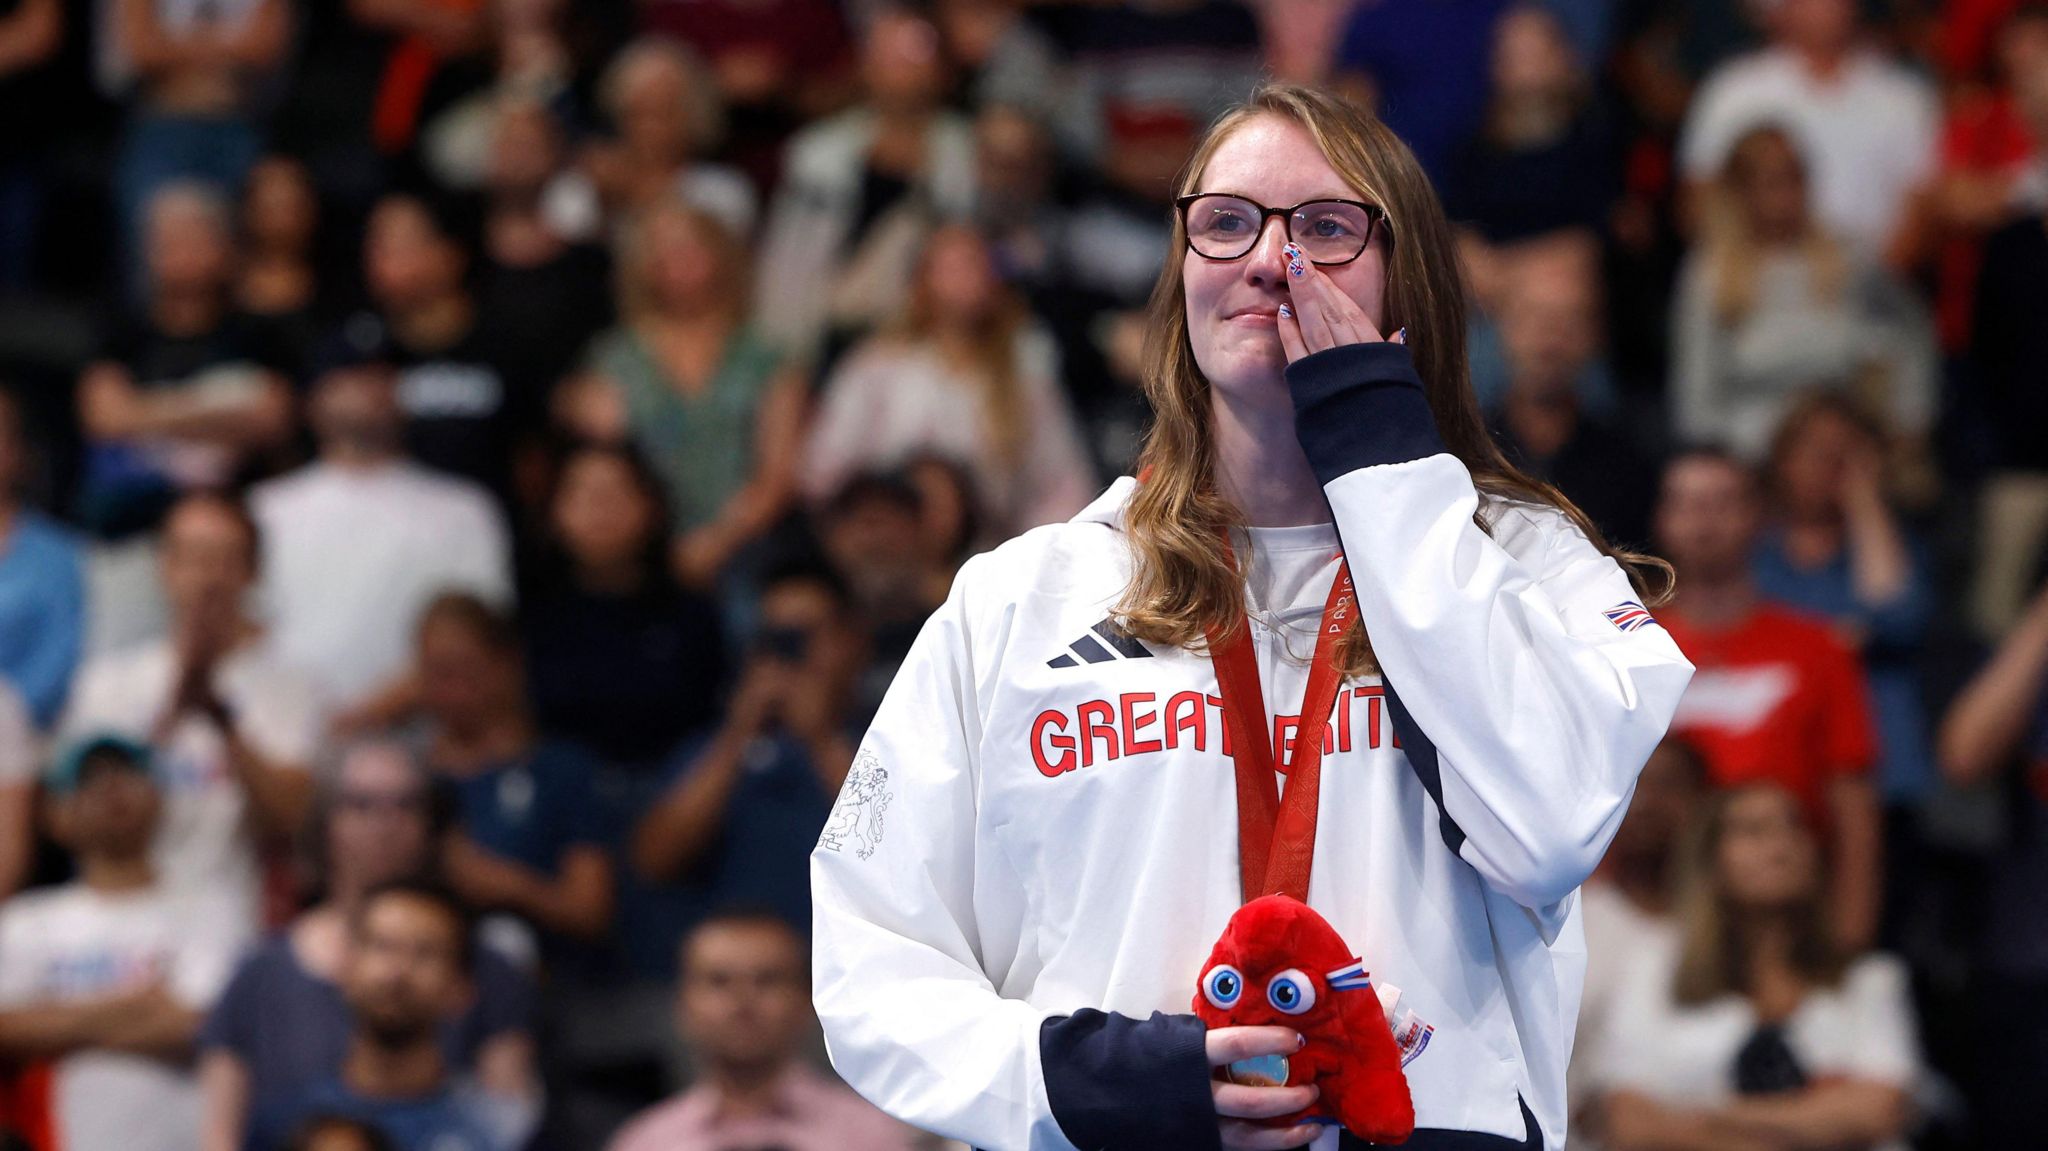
(1267, 262)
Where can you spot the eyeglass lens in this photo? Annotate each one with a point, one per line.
(1328, 231)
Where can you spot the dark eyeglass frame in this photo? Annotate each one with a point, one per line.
(1375, 216)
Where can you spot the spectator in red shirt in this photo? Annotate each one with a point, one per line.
(1777, 696)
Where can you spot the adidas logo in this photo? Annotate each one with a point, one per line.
(1099, 644)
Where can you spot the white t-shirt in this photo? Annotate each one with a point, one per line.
(203, 842)
(888, 402)
(1868, 135)
(1619, 937)
(1863, 1029)
(351, 556)
(69, 943)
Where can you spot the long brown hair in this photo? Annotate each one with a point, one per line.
(992, 342)
(1733, 250)
(1182, 584)
(1715, 947)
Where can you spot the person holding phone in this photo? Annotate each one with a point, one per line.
(750, 797)
(1041, 835)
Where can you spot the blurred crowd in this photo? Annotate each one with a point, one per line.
(469, 469)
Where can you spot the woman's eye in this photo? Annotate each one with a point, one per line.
(1291, 992)
(1223, 986)
(1226, 223)
(1329, 228)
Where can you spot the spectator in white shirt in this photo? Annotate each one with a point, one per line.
(357, 542)
(1771, 303)
(1628, 906)
(1753, 1032)
(1868, 124)
(963, 374)
(106, 977)
(232, 729)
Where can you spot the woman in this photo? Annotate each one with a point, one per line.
(1837, 549)
(690, 380)
(1543, 159)
(964, 375)
(1021, 873)
(1769, 305)
(624, 662)
(1756, 1032)
(529, 838)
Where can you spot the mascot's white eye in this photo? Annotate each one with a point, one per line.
(1224, 986)
(1291, 991)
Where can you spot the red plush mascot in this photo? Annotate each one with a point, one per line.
(1281, 963)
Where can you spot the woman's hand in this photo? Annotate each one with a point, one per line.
(1236, 1102)
(1319, 315)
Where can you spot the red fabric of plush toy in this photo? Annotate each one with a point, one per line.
(1280, 963)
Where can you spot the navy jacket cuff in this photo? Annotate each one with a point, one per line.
(1122, 1084)
(1358, 405)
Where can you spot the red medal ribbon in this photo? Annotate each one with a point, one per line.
(1276, 837)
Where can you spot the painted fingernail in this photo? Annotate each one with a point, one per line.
(1300, 1041)
(1286, 313)
(1401, 337)
(1296, 267)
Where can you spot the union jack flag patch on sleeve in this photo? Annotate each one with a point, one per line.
(1628, 615)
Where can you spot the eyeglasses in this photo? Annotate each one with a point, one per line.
(1328, 232)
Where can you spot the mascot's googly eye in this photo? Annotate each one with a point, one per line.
(1224, 986)
(1291, 991)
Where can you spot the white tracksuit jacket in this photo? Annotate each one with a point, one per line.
(1042, 819)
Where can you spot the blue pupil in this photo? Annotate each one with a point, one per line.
(1286, 994)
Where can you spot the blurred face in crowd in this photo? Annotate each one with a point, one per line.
(338, 1135)
(901, 63)
(1012, 170)
(408, 262)
(208, 559)
(525, 149)
(681, 262)
(651, 107)
(464, 681)
(1667, 796)
(875, 540)
(744, 998)
(945, 500)
(1707, 517)
(1768, 180)
(1550, 318)
(378, 824)
(403, 972)
(1766, 858)
(1232, 304)
(280, 212)
(800, 625)
(1531, 57)
(355, 410)
(189, 249)
(1813, 465)
(1818, 26)
(2023, 48)
(602, 516)
(959, 277)
(110, 812)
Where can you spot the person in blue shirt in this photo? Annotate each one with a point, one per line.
(408, 972)
(527, 839)
(42, 585)
(1836, 549)
(747, 801)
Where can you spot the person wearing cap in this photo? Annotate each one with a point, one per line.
(104, 979)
